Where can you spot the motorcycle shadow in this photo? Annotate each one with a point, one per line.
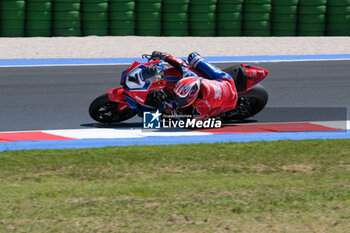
(112, 125)
(245, 121)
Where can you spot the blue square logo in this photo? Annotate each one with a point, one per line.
(151, 120)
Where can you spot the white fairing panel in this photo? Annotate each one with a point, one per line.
(135, 79)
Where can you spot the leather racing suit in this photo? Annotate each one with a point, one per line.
(217, 94)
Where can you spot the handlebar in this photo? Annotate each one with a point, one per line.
(149, 57)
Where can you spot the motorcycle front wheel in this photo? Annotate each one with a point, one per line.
(249, 104)
(103, 110)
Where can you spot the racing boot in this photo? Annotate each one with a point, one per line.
(193, 58)
(213, 72)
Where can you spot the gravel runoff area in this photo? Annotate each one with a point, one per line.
(134, 46)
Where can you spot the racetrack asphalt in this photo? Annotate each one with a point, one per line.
(43, 98)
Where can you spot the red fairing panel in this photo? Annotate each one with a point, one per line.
(254, 74)
(172, 72)
(136, 64)
(171, 75)
(116, 95)
(139, 96)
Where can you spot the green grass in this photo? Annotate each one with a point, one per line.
(286, 186)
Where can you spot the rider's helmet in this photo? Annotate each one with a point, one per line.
(186, 91)
(142, 74)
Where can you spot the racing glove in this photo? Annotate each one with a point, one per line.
(160, 55)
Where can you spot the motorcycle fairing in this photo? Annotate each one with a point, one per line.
(246, 76)
(171, 75)
(140, 94)
(116, 95)
(254, 75)
(136, 105)
(134, 65)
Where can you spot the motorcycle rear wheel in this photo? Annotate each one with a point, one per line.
(103, 110)
(249, 104)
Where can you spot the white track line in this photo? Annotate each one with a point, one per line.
(119, 133)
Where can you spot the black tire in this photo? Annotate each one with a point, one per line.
(103, 110)
(249, 104)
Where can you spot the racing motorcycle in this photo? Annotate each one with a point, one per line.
(152, 93)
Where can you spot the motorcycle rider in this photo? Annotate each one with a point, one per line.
(205, 97)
